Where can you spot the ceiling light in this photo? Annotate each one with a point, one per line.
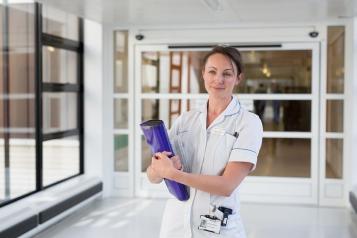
(50, 48)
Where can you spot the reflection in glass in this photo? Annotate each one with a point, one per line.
(20, 113)
(277, 115)
(145, 154)
(121, 162)
(164, 109)
(281, 115)
(60, 23)
(59, 66)
(19, 177)
(334, 158)
(17, 106)
(334, 116)
(60, 159)
(121, 62)
(276, 71)
(121, 113)
(21, 40)
(335, 59)
(284, 157)
(59, 112)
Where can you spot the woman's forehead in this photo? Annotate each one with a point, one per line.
(220, 60)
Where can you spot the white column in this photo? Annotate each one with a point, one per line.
(93, 101)
(353, 113)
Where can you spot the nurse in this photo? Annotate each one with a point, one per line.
(216, 147)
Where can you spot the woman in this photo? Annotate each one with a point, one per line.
(217, 146)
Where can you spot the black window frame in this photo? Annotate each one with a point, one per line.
(45, 39)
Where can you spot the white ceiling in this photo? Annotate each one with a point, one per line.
(196, 12)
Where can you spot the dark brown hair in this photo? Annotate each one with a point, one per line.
(232, 53)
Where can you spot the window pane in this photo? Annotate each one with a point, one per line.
(121, 62)
(284, 157)
(164, 109)
(21, 44)
(121, 113)
(335, 59)
(20, 113)
(334, 115)
(283, 115)
(334, 158)
(121, 162)
(59, 23)
(60, 159)
(59, 112)
(17, 108)
(277, 115)
(274, 71)
(19, 176)
(59, 66)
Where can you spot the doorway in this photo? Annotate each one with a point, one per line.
(281, 86)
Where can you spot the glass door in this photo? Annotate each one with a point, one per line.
(280, 86)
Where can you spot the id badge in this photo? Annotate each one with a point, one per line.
(209, 223)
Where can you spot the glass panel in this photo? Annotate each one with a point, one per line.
(121, 113)
(334, 115)
(22, 165)
(19, 177)
(145, 154)
(121, 162)
(275, 71)
(335, 59)
(20, 114)
(164, 109)
(21, 44)
(277, 115)
(60, 159)
(59, 23)
(284, 157)
(282, 115)
(59, 66)
(121, 62)
(334, 158)
(59, 112)
(17, 110)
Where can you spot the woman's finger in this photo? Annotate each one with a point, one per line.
(167, 153)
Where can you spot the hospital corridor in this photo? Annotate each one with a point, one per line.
(178, 118)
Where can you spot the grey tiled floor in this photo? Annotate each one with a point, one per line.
(136, 218)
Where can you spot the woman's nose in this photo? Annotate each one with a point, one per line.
(219, 78)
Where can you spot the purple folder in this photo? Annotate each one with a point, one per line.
(156, 136)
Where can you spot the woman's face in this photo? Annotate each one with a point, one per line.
(220, 76)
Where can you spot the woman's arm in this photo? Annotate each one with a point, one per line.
(222, 185)
(153, 176)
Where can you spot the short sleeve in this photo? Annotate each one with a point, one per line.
(246, 147)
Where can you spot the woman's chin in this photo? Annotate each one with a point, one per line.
(219, 93)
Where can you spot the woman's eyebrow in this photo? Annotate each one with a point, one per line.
(212, 67)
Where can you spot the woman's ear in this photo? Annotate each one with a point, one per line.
(240, 78)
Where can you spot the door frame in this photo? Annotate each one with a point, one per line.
(296, 190)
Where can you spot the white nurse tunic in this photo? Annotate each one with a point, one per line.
(235, 135)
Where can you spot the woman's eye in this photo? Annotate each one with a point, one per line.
(227, 75)
(211, 72)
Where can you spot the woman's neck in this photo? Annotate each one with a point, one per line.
(215, 107)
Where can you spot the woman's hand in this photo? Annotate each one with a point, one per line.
(163, 165)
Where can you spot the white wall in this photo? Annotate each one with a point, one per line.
(353, 149)
(93, 100)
